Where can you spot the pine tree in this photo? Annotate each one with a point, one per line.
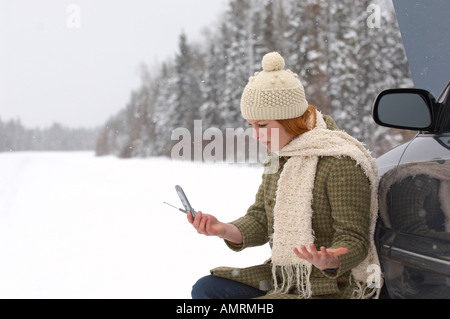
(187, 93)
(239, 60)
(212, 91)
(341, 61)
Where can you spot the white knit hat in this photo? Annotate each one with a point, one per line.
(274, 93)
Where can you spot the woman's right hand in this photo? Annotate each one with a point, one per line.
(207, 225)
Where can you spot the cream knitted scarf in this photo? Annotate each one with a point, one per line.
(293, 211)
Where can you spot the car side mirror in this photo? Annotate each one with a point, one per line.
(410, 109)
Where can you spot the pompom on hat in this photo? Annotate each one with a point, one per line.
(274, 93)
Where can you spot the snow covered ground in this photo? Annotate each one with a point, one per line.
(76, 226)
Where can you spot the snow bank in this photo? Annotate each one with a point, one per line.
(76, 226)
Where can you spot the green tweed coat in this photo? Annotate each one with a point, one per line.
(341, 206)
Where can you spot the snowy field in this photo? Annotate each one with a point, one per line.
(76, 226)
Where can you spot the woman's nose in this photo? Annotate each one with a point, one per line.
(255, 134)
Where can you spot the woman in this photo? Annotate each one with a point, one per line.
(318, 211)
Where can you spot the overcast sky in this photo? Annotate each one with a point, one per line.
(77, 65)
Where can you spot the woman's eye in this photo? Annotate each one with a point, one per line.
(257, 125)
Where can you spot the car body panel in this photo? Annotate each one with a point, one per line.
(413, 231)
(413, 235)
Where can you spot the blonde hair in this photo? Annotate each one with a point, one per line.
(300, 125)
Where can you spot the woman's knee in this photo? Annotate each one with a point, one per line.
(203, 288)
(211, 287)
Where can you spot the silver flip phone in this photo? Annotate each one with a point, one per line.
(187, 206)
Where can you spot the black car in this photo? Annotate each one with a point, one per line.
(413, 231)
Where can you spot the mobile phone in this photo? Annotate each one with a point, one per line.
(187, 206)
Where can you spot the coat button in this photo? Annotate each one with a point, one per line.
(269, 202)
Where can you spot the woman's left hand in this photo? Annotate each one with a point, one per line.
(323, 259)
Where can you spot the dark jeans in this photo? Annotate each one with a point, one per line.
(211, 287)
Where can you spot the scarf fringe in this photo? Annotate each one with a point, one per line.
(293, 275)
(298, 276)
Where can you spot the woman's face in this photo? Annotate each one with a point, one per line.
(271, 134)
